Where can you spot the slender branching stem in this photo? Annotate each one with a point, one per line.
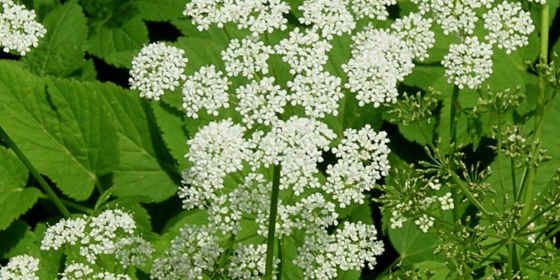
(272, 222)
(453, 145)
(499, 153)
(465, 190)
(71, 204)
(539, 114)
(48, 190)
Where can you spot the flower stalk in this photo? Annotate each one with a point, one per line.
(48, 190)
(272, 222)
(527, 190)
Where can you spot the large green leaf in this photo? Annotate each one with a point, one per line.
(15, 199)
(412, 244)
(61, 52)
(118, 44)
(171, 123)
(60, 126)
(146, 168)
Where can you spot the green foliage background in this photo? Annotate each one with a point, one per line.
(92, 139)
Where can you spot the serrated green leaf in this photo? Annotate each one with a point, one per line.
(60, 126)
(412, 244)
(61, 52)
(161, 10)
(16, 202)
(118, 44)
(44, 7)
(170, 121)
(146, 167)
(21, 239)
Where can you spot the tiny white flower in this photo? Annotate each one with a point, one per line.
(446, 202)
(425, 223)
(434, 184)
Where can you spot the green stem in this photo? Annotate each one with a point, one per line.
(390, 267)
(465, 190)
(453, 117)
(453, 146)
(499, 155)
(539, 113)
(272, 222)
(513, 179)
(71, 204)
(35, 173)
(280, 257)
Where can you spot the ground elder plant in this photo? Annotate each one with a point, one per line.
(269, 139)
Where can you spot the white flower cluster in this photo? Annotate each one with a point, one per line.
(109, 233)
(80, 271)
(193, 252)
(156, 68)
(76, 271)
(249, 198)
(261, 102)
(304, 51)
(455, 17)
(331, 17)
(318, 93)
(371, 9)
(22, 267)
(446, 202)
(322, 254)
(414, 30)
(258, 16)
(508, 25)
(362, 160)
(247, 57)
(248, 262)
(206, 89)
(379, 60)
(262, 16)
(469, 63)
(425, 223)
(19, 30)
(215, 151)
(296, 145)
